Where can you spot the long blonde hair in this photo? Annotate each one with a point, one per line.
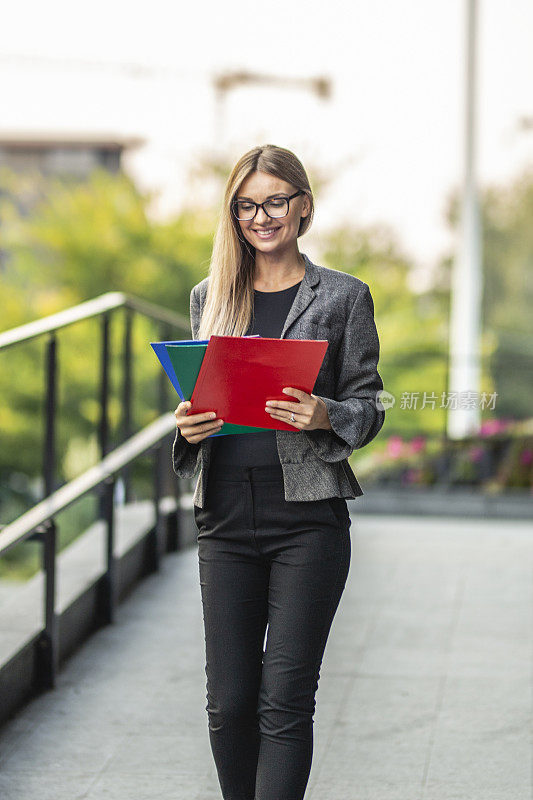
(228, 304)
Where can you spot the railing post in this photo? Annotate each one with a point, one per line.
(163, 379)
(47, 659)
(110, 577)
(168, 538)
(47, 655)
(103, 426)
(158, 544)
(172, 532)
(174, 519)
(127, 393)
(49, 455)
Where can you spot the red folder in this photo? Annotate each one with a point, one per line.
(238, 374)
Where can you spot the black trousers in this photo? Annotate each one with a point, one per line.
(263, 561)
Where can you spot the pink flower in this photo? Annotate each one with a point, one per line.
(492, 426)
(526, 457)
(475, 454)
(411, 476)
(418, 444)
(394, 446)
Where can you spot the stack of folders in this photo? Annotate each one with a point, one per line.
(235, 375)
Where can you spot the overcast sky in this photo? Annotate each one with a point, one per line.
(392, 132)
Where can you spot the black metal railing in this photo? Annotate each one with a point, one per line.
(39, 523)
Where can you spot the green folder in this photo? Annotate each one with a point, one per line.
(186, 361)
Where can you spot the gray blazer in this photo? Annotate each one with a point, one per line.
(338, 307)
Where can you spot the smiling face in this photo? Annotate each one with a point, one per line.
(269, 235)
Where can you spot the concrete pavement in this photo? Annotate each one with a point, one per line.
(425, 689)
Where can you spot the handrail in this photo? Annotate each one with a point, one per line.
(23, 526)
(90, 308)
(39, 523)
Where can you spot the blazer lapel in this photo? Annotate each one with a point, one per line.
(304, 295)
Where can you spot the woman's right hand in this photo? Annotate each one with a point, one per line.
(195, 427)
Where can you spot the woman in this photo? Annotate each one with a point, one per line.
(270, 507)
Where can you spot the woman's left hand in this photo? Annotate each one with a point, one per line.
(310, 413)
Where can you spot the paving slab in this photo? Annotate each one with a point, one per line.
(425, 690)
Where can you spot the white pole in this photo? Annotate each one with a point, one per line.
(465, 326)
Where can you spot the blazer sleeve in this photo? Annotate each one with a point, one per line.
(185, 455)
(354, 416)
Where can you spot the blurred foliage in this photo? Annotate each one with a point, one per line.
(413, 326)
(507, 299)
(80, 239)
(66, 241)
(498, 459)
(409, 361)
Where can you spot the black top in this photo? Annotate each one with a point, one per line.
(255, 449)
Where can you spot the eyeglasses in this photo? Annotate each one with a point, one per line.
(275, 207)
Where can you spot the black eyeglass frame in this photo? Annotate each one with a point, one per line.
(262, 205)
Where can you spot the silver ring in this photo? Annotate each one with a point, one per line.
(292, 417)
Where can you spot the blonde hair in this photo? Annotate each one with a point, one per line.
(229, 300)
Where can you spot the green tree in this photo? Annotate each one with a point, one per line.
(507, 292)
(65, 242)
(412, 327)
